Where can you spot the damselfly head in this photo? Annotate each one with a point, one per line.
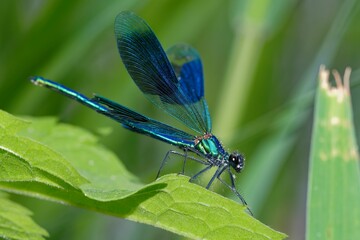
(237, 161)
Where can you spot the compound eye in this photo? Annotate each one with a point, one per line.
(236, 161)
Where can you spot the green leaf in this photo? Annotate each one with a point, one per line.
(104, 173)
(16, 223)
(334, 186)
(66, 164)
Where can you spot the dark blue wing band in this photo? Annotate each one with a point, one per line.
(180, 96)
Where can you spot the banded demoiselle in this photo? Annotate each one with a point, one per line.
(173, 81)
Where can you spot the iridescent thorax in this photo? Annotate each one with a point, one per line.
(210, 146)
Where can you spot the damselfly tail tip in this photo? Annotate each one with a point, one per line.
(35, 80)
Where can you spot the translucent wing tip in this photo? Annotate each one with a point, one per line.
(124, 15)
(128, 23)
(182, 53)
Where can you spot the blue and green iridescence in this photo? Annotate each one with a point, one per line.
(211, 147)
(173, 81)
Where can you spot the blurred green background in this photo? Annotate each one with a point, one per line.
(260, 61)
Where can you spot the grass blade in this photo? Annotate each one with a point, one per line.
(334, 188)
